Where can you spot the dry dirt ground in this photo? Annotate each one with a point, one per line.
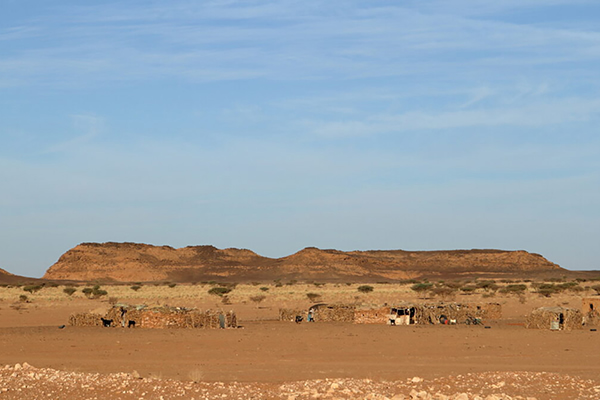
(271, 359)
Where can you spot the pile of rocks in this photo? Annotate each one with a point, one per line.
(24, 381)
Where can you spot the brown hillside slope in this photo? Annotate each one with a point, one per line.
(8, 278)
(130, 262)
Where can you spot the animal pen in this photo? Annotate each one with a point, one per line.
(320, 313)
(142, 316)
(555, 318)
(429, 313)
(401, 314)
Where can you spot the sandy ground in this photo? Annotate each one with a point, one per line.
(270, 355)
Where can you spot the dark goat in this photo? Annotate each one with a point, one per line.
(106, 322)
(131, 324)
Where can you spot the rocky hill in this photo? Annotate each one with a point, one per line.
(131, 262)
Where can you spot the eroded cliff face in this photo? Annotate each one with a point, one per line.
(130, 262)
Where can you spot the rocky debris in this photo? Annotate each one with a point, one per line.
(24, 381)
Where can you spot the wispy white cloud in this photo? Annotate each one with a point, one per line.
(283, 40)
(90, 125)
(529, 115)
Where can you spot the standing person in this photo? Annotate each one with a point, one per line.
(311, 315)
(123, 312)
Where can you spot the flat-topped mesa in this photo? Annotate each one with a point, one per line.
(127, 262)
(130, 262)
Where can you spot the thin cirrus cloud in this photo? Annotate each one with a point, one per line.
(194, 42)
(534, 115)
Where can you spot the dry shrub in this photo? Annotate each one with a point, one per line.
(219, 291)
(365, 289)
(258, 299)
(513, 289)
(442, 291)
(314, 297)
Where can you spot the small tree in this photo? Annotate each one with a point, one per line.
(422, 288)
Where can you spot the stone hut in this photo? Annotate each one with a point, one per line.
(555, 318)
(590, 308)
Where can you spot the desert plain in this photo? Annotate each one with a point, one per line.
(268, 358)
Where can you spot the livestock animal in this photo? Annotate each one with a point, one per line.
(106, 322)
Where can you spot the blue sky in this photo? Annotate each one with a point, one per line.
(276, 125)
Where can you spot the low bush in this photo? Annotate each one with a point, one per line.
(513, 289)
(442, 291)
(94, 292)
(264, 289)
(365, 289)
(258, 299)
(32, 288)
(453, 284)
(136, 288)
(314, 297)
(487, 285)
(219, 291)
(69, 290)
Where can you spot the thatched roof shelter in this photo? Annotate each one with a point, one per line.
(555, 318)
